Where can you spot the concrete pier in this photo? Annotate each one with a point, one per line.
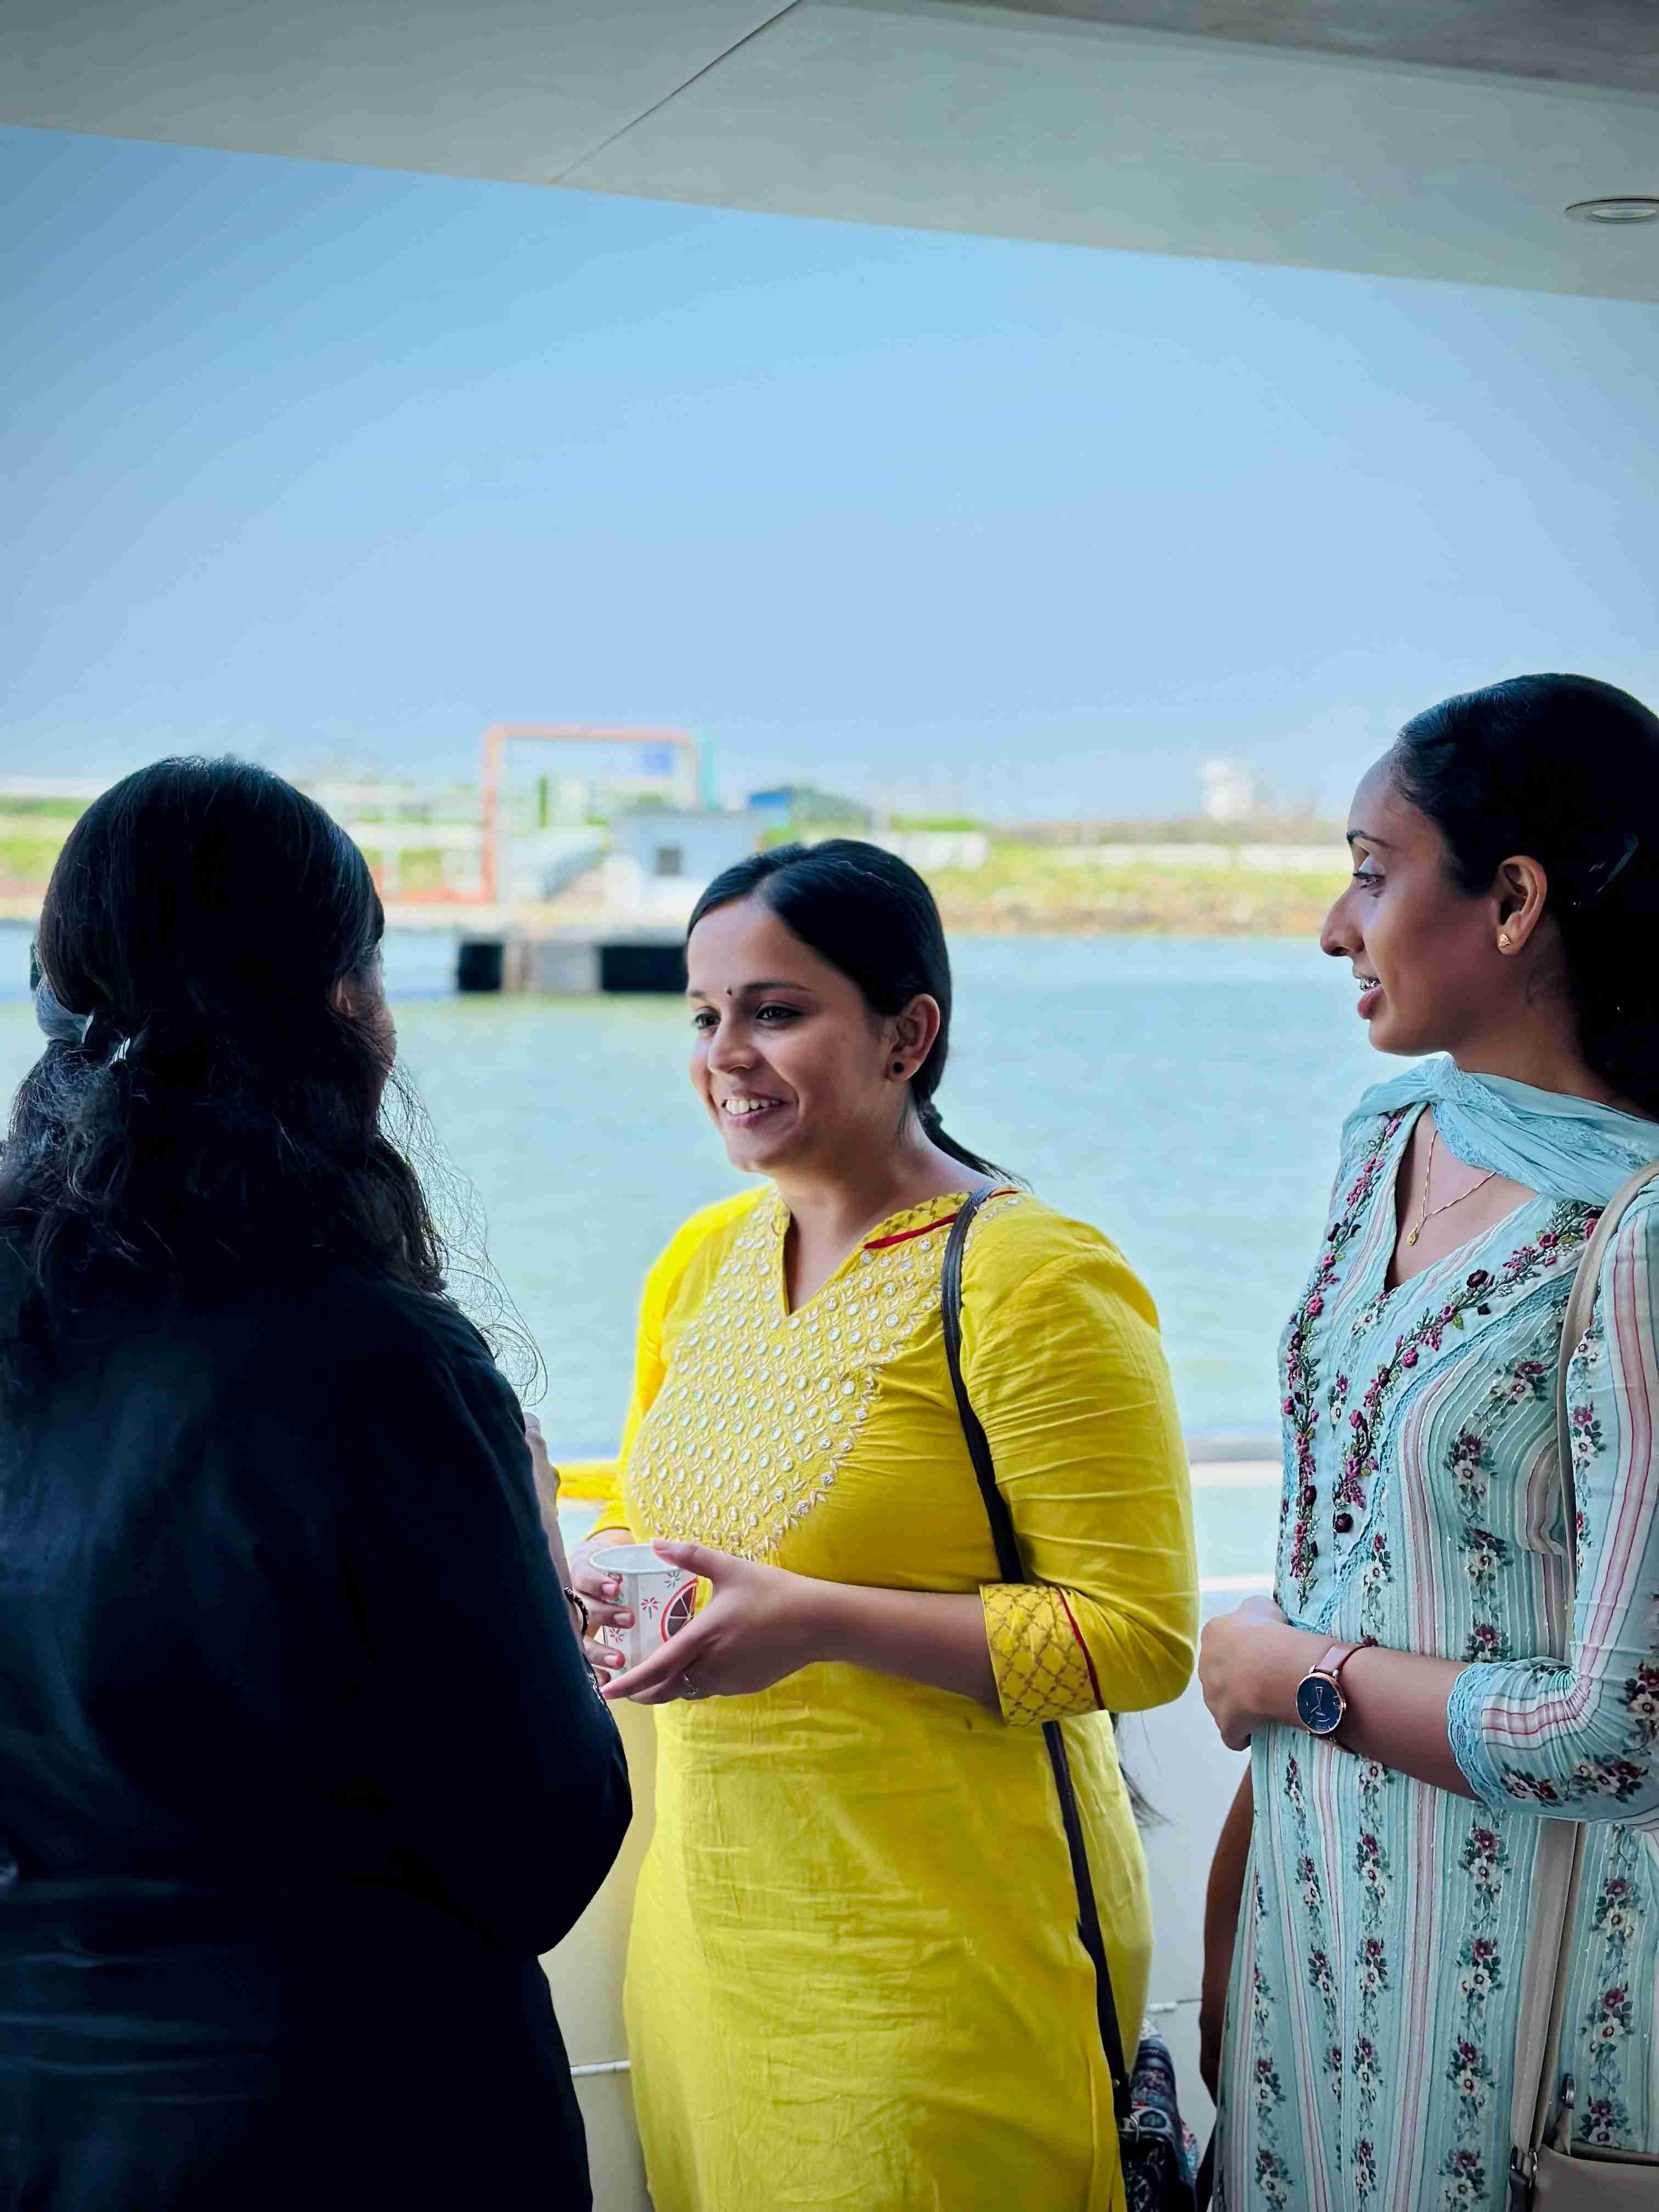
(572, 963)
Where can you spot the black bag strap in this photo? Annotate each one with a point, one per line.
(1012, 1568)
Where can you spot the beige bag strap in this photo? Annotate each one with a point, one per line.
(1558, 1876)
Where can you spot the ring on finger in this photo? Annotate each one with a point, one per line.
(688, 1688)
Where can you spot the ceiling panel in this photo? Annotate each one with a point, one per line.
(517, 90)
(1035, 120)
(960, 118)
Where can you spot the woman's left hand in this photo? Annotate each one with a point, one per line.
(1231, 1671)
(759, 1624)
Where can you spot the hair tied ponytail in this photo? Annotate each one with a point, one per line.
(1485, 768)
(219, 1114)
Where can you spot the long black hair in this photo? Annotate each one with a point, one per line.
(218, 1093)
(1565, 769)
(869, 914)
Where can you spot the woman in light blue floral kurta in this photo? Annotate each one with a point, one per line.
(1368, 2059)
(1375, 1973)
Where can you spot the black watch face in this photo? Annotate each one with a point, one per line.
(1320, 1705)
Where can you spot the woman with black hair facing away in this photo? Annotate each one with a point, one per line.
(1437, 1726)
(300, 1765)
(856, 1976)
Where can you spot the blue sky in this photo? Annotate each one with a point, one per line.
(334, 465)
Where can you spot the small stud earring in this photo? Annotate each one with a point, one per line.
(898, 1067)
(1502, 940)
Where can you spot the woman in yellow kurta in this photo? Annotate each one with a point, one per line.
(855, 1980)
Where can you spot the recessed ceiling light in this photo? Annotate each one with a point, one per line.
(1631, 207)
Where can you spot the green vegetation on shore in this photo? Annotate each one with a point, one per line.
(1022, 889)
(420, 869)
(1028, 890)
(29, 853)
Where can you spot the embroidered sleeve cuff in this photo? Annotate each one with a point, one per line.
(1041, 1662)
(1466, 1710)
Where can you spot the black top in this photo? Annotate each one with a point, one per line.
(300, 1765)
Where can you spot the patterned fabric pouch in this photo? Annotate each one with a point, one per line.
(1158, 2155)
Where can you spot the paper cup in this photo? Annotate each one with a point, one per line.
(661, 1598)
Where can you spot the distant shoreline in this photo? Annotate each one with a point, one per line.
(1029, 891)
(1023, 893)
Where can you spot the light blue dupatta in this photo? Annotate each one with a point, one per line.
(1564, 1148)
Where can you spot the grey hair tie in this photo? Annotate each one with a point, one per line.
(59, 1025)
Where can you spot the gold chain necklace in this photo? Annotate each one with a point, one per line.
(1426, 1215)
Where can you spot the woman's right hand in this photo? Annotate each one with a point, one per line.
(599, 1593)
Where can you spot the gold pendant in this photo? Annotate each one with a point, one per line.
(1412, 1239)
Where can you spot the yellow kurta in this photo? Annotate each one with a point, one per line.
(854, 1979)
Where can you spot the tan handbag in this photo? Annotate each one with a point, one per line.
(1546, 2168)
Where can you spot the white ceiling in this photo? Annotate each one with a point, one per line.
(517, 90)
(1039, 119)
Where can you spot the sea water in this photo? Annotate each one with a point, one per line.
(1184, 1096)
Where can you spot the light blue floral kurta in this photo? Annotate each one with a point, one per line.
(1371, 2020)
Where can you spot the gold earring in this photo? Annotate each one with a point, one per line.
(1502, 940)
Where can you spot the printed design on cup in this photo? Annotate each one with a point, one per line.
(679, 1609)
(669, 1615)
(761, 1407)
(661, 1598)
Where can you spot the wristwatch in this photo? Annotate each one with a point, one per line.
(1320, 1705)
